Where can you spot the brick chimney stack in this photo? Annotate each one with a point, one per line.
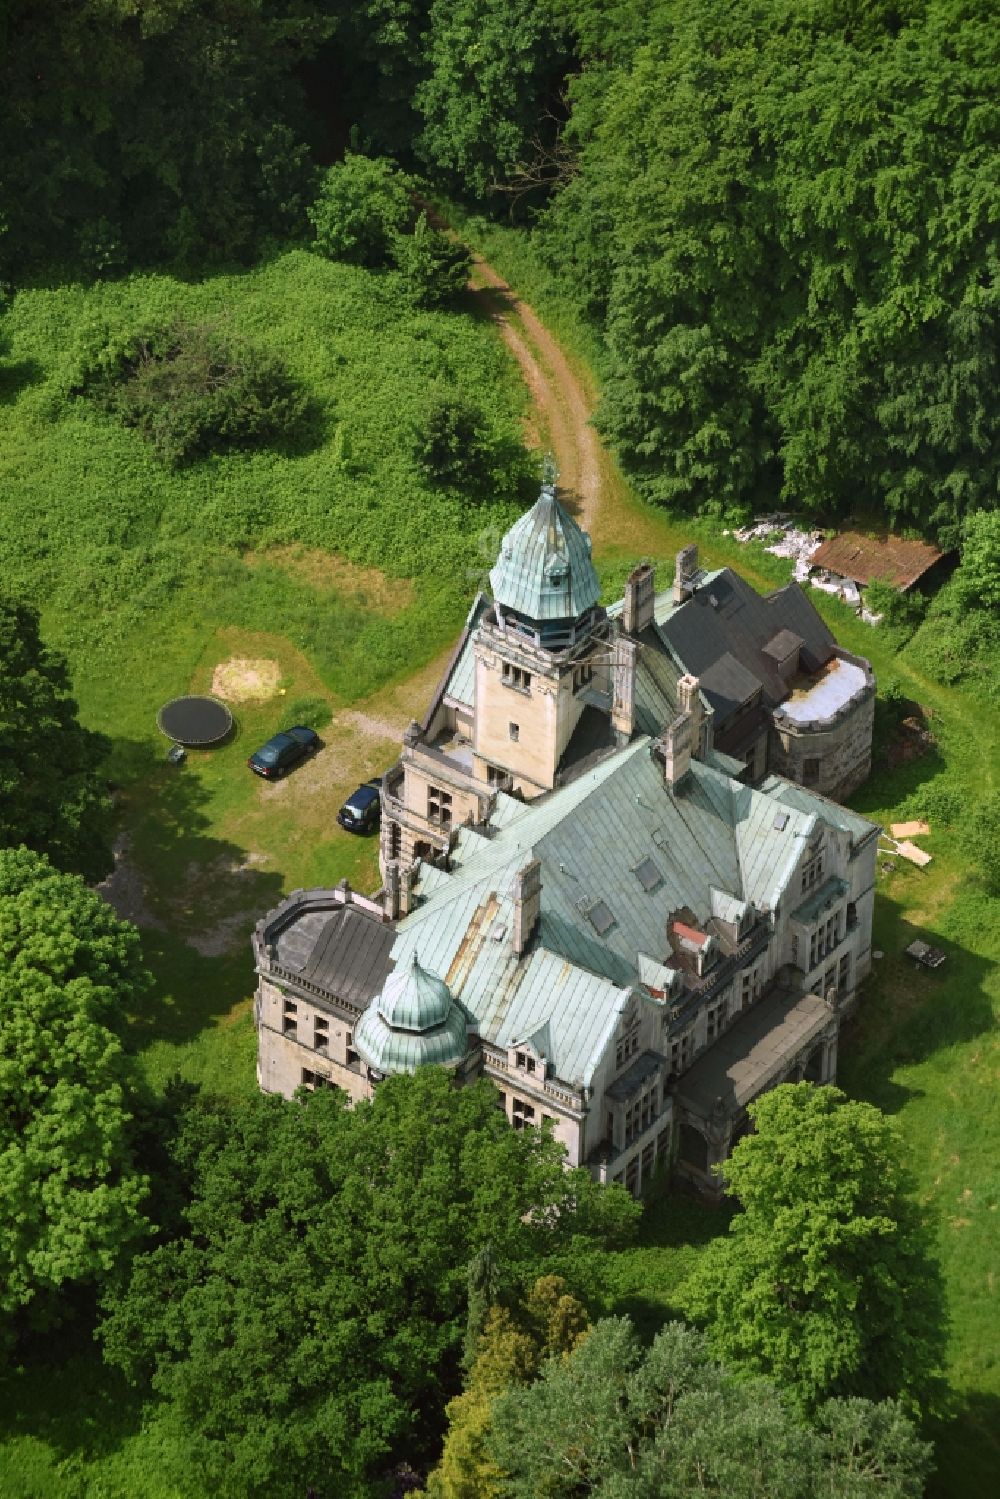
(527, 893)
(640, 594)
(685, 571)
(623, 688)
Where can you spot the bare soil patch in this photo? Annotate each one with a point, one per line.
(326, 572)
(240, 680)
(563, 405)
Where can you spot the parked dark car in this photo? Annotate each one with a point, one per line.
(283, 751)
(362, 811)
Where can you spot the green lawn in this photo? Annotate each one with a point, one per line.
(149, 580)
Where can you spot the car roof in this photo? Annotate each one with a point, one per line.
(364, 796)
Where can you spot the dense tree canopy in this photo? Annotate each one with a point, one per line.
(70, 1198)
(165, 130)
(51, 796)
(617, 1421)
(784, 219)
(308, 1328)
(826, 1280)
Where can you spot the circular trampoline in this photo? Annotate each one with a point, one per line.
(195, 721)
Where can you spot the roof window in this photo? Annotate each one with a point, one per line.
(600, 917)
(647, 874)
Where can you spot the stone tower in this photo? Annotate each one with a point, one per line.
(542, 651)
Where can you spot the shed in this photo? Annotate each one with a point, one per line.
(890, 559)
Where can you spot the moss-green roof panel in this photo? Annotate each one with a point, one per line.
(544, 570)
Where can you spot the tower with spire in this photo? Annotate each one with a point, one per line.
(541, 649)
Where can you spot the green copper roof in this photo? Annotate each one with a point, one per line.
(544, 570)
(413, 999)
(413, 1023)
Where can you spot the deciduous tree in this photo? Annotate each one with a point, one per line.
(826, 1281)
(308, 1327)
(71, 1202)
(51, 795)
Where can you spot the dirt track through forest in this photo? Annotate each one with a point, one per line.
(562, 407)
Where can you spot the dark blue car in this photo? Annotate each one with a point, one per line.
(283, 751)
(362, 810)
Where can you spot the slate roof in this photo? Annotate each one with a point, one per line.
(726, 643)
(544, 570)
(459, 681)
(804, 800)
(345, 952)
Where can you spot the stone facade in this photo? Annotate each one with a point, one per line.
(639, 933)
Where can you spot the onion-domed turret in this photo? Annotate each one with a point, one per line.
(544, 572)
(413, 1023)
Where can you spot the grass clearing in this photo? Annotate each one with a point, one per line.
(157, 578)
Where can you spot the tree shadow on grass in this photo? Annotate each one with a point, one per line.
(905, 1012)
(891, 786)
(967, 1449)
(62, 1394)
(16, 377)
(195, 898)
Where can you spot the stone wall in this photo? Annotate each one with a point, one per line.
(839, 750)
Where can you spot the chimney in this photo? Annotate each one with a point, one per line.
(412, 734)
(623, 687)
(406, 879)
(640, 592)
(675, 747)
(527, 892)
(391, 893)
(685, 571)
(689, 702)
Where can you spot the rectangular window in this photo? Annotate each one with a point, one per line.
(680, 1052)
(502, 1101)
(829, 981)
(844, 973)
(632, 1176)
(289, 1019)
(812, 871)
(439, 806)
(663, 1142)
(501, 779)
(582, 677)
(531, 1063)
(522, 1113)
(513, 676)
(648, 1152)
(514, 730)
(315, 1080)
(814, 952)
(715, 1016)
(352, 1055)
(321, 1033)
(519, 1059)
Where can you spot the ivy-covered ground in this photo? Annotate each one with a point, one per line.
(150, 579)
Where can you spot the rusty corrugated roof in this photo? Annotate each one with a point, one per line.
(890, 559)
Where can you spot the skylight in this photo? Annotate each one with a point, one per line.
(780, 821)
(647, 874)
(601, 918)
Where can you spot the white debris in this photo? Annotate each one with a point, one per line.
(851, 593)
(871, 618)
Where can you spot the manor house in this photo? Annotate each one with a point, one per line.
(614, 879)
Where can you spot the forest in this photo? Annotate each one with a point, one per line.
(780, 217)
(234, 339)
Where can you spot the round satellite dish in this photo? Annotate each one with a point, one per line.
(194, 721)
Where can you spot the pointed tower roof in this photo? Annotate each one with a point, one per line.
(412, 1023)
(544, 570)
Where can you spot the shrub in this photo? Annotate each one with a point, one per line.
(190, 389)
(901, 612)
(314, 712)
(436, 267)
(452, 443)
(362, 206)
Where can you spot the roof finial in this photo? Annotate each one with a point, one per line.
(549, 472)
